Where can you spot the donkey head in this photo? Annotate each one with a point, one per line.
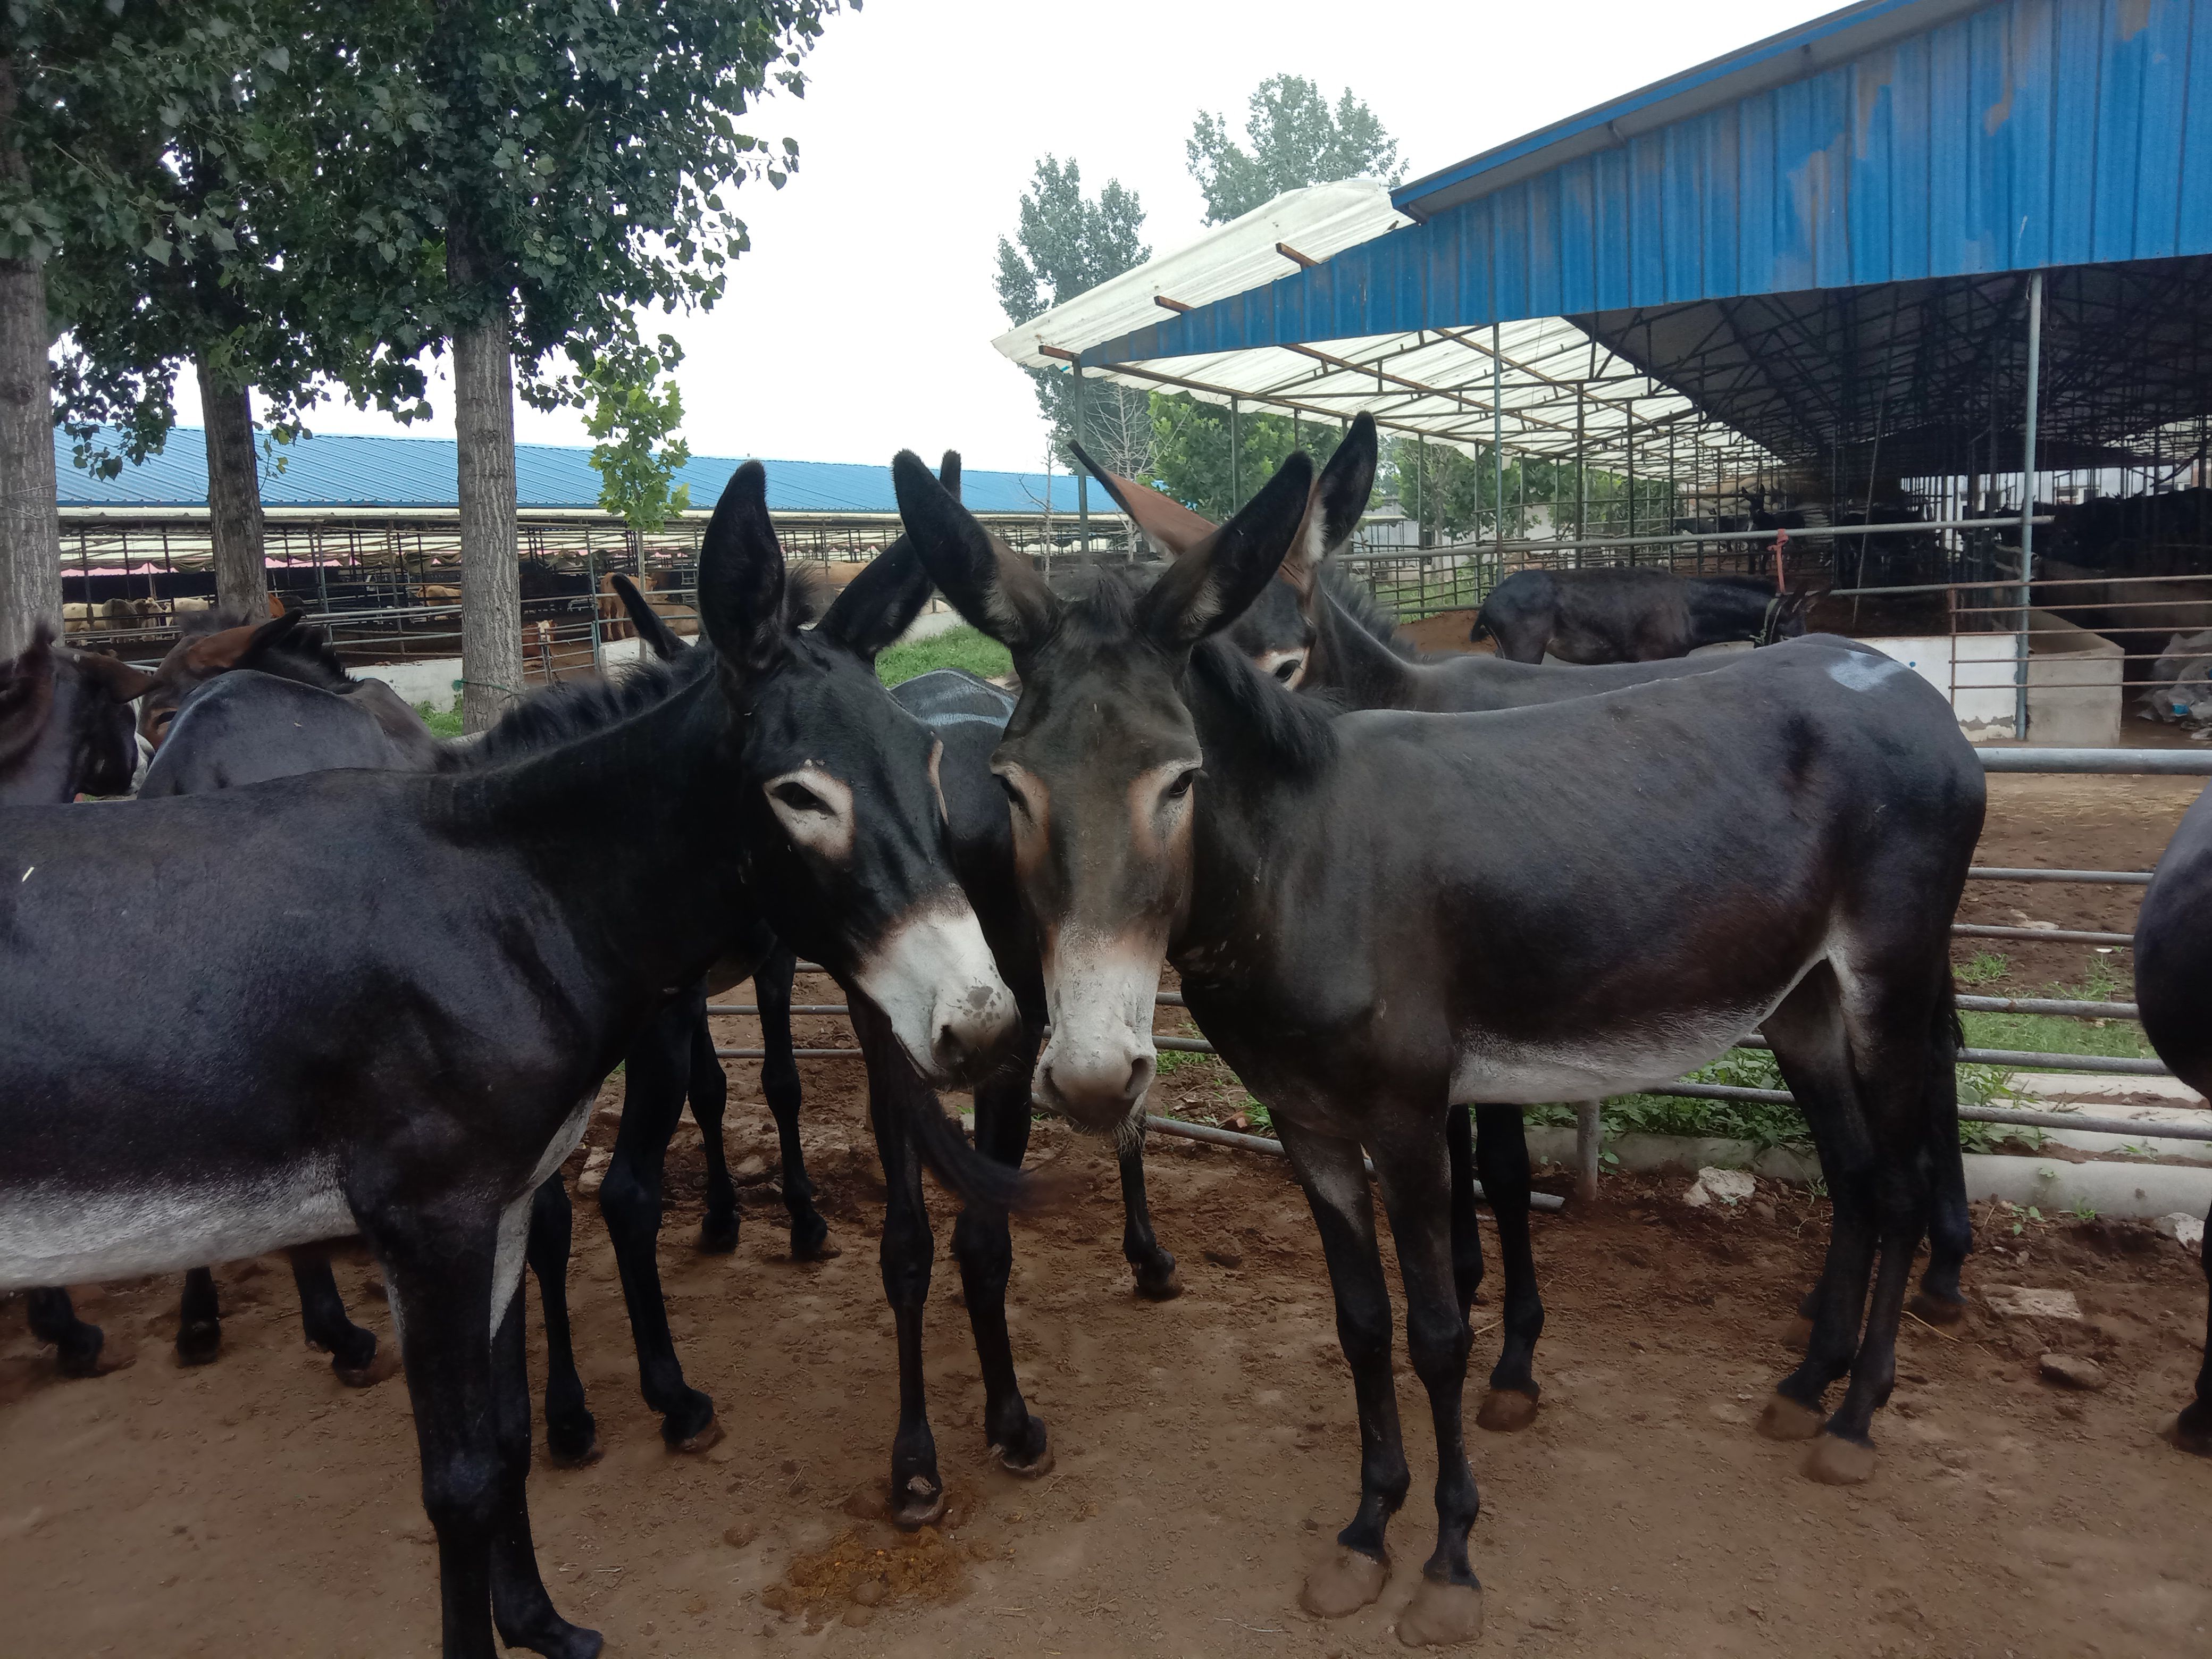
(836, 790)
(1100, 763)
(1278, 630)
(65, 727)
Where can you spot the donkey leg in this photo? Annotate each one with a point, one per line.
(1157, 1279)
(709, 1088)
(355, 1357)
(1335, 1181)
(984, 1247)
(79, 1350)
(199, 1320)
(1939, 1300)
(810, 1233)
(572, 1436)
(1465, 1225)
(1891, 1049)
(441, 1276)
(917, 1491)
(1446, 1607)
(1501, 1147)
(1811, 1049)
(2190, 1429)
(630, 1201)
(521, 1611)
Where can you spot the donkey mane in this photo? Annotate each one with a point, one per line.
(1295, 730)
(306, 654)
(1359, 601)
(569, 710)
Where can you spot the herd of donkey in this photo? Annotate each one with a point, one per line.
(1394, 889)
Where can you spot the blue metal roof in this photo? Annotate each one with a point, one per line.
(342, 471)
(1896, 141)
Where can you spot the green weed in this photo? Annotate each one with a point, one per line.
(956, 648)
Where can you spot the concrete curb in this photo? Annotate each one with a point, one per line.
(2139, 1191)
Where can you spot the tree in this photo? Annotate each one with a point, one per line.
(1066, 244)
(232, 281)
(575, 155)
(1193, 458)
(1295, 140)
(92, 98)
(628, 416)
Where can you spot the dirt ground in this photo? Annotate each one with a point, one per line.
(1205, 1448)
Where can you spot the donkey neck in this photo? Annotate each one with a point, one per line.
(632, 829)
(1348, 660)
(1720, 611)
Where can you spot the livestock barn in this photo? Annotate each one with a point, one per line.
(1894, 323)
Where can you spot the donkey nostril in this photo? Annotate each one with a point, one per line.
(1140, 1077)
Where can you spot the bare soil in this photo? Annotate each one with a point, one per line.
(1206, 1450)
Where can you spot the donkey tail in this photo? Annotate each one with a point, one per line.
(1482, 627)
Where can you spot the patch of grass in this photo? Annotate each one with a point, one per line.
(1986, 966)
(442, 722)
(956, 648)
(2055, 1033)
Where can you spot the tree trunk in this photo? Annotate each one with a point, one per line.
(483, 429)
(241, 573)
(30, 522)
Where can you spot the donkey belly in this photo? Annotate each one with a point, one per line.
(53, 1234)
(1613, 1059)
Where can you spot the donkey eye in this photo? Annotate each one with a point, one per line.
(800, 798)
(1287, 669)
(1181, 787)
(1014, 795)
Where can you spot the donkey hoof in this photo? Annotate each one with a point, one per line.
(1785, 1419)
(1795, 1333)
(198, 1341)
(718, 1234)
(557, 1639)
(573, 1451)
(1156, 1284)
(1936, 1308)
(1345, 1582)
(815, 1247)
(922, 1505)
(2184, 1436)
(1441, 1614)
(705, 1439)
(1836, 1462)
(384, 1362)
(112, 1353)
(1030, 1455)
(1505, 1411)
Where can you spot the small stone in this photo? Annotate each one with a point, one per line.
(1764, 1209)
(2068, 1371)
(1228, 1256)
(858, 1615)
(595, 1171)
(869, 1592)
(2021, 1302)
(742, 1534)
(1725, 1186)
(2183, 1228)
(750, 1166)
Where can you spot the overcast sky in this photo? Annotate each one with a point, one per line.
(861, 321)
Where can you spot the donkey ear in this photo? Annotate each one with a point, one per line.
(1210, 586)
(27, 695)
(1166, 523)
(988, 584)
(1332, 508)
(122, 683)
(881, 603)
(218, 653)
(268, 637)
(741, 582)
(651, 627)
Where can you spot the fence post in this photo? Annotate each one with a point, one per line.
(1589, 1141)
(2026, 497)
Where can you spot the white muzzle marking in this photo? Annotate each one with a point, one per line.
(1100, 1059)
(935, 980)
